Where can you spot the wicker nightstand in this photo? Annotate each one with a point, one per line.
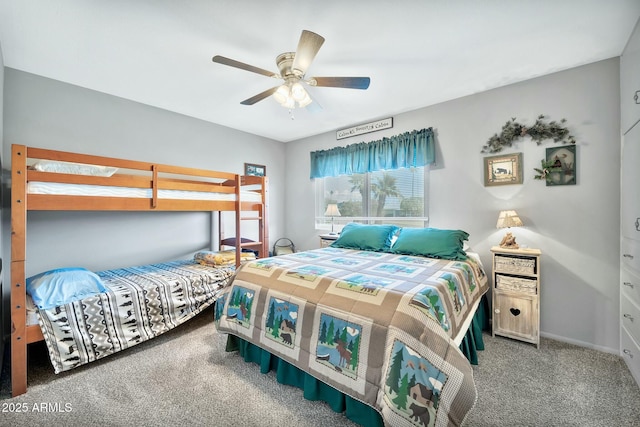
(516, 294)
(327, 239)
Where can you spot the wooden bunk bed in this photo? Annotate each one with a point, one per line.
(145, 187)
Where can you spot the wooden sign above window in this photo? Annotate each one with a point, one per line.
(365, 128)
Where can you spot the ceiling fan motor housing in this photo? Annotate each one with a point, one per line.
(285, 62)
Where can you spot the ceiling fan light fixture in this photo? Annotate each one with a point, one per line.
(305, 101)
(291, 95)
(290, 103)
(282, 94)
(297, 92)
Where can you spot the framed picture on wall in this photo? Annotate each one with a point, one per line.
(564, 165)
(505, 169)
(255, 170)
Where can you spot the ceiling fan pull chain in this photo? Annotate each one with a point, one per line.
(291, 114)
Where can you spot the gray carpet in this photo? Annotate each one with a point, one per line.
(186, 378)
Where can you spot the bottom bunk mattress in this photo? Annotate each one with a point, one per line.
(379, 327)
(140, 303)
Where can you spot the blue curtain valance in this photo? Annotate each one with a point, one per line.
(410, 149)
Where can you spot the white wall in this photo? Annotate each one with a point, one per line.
(45, 113)
(576, 227)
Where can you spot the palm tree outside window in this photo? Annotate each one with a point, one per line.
(391, 197)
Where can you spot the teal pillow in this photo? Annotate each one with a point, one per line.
(365, 237)
(432, 243)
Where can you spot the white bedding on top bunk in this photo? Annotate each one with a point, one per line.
(54, 188)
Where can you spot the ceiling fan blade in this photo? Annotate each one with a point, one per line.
(260, 96)
(237, 64)
(308, 48)
(344, 82)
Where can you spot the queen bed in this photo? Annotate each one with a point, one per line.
(379, 323)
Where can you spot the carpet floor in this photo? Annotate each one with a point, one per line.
(185, 377)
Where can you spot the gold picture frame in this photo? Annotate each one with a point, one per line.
(505, 169)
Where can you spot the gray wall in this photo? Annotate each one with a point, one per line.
(45, 113)
(576, 227)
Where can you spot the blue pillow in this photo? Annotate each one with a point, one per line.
(432, 243)
(63, 285)
(365, 237)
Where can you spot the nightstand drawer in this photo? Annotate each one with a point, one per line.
(517, 284)
(514, 265)
(630, 314)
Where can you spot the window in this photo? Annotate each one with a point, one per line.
(392, 197)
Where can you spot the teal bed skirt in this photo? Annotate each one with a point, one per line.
(314, 389)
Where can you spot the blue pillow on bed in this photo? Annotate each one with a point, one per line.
(63, 285)
(365, 237)
(431, 243)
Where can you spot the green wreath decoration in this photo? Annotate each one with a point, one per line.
(540, 131)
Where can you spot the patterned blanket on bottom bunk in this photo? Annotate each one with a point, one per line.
(140, 303)
(376, 326)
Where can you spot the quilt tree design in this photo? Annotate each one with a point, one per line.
(240, 305)
(281, 322)
(339, 344)
(413, 385)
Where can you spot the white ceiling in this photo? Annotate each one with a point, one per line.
(417, 53)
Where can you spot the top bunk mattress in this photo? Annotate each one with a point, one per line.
(54, 188)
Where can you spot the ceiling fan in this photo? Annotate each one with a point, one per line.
(292, 67)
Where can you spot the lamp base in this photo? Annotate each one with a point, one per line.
(509, 242)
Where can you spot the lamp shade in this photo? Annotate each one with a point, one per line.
(508, 219)
(332, 210)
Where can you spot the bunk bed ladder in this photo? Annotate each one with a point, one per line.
(260, 245)
(258, 213)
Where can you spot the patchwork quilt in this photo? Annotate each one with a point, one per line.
(376, 326)
(140, 303)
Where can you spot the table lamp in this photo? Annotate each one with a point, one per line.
(508, 219)
(332, 211)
